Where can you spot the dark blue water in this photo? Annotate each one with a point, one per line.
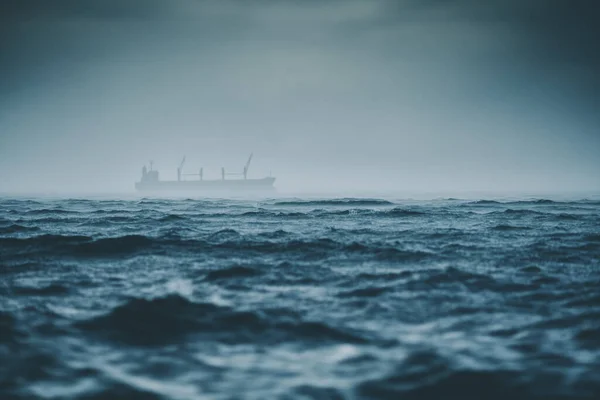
(286, 299)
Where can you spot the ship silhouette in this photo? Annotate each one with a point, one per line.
(150, 181)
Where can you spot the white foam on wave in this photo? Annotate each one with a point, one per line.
(182, 287)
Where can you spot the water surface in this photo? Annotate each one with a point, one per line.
(293, 298)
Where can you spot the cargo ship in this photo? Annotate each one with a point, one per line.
(195, 182)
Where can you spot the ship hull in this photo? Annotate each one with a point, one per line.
(230, 185)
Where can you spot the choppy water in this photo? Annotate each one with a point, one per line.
(328, 299)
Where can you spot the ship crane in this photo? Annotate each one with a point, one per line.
(180, 169)
(244, 173)
(247, 166)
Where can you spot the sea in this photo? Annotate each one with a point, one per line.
(299, 298)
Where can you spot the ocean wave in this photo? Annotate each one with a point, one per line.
(545, 281)
(589, 337)
(402, 212)
(19, 202)
(171, 218)
(152, 322)
(509, 228)
(531, 269)
(589, 202)
(580, 319)
(438, 380)
(15, 228)
(232, 273)
(517, 202)
(50, 290)
(75, 245)
(262, 213)
(383, 276)
(44, 240)
(225, 234)
(484, 202)
(315, 392)
(46, 211)
(18, 266)
(336, 213)
(407, 300)
(396, 212)
(7, 327)
(393, 254)
(120, 211)
(539, 201)
(71, 219)
(524, 212)
(114, 245)
(227, 239)
(595, 237)
(372, 291)
(118, 219)
(358, 231)
(166, 320)
(568, 217)
(336, 202)
(461, 279)
(151, 216)
(585, 301)
(278, 234)
(152, 202)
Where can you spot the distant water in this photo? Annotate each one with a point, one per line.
(286, 299)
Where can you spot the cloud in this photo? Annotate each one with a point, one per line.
(278, 47)
(16, 11)
(380, 84)
(549, 34)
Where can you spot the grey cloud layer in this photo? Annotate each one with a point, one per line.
(545, 33)
(460, 89)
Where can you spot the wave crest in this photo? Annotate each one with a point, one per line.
(232, 272)
(336, 202)
(15, 228)
(166, 320)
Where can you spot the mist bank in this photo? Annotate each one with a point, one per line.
(334, 97)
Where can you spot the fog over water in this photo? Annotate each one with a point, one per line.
(433, 233)
(331, 96)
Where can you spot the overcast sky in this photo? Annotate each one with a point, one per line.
(382, 95)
